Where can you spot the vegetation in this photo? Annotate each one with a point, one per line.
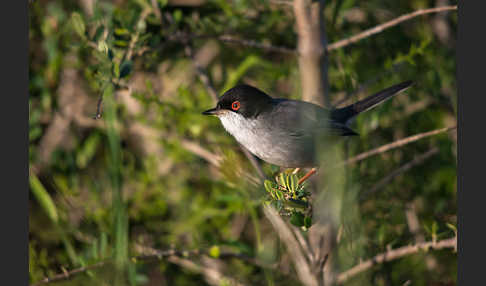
(131, 185)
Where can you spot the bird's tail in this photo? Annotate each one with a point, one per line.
(343, 115)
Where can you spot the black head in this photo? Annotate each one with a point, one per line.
(243, 99)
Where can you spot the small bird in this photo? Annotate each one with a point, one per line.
(285, 132)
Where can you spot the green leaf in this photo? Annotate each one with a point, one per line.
(269, 185)
(177, 15)
(78, 24)
(43, 197)
(245, 65)
(120, 43)
(214, 251)
(297, 219)
(293, 182)
(307, 221)
(452, 227)
(122, 32)
(88, 150)
(163, 3)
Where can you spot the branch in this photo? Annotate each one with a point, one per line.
(396, 144)
(311, 51)
(68, 274)
(402, 169)
(212, 275)
(395, 254)
(255, 44)
(153, 254)
(201, 73)
(201, 152)
(386, 25)
(284, 232)
(331, 47)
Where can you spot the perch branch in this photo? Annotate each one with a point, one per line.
(285, 233)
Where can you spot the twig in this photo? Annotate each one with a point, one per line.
(255, 44)
(152, 254)
(395, 254)
(155, 6)
(212, 275)
(386, 25)
(329, 48)
(284, 232)
(201, 73)
(402, 169)
(395, 144)
(99, 107)
(304, 244)
(131, 46)
(201, 152)
(65, 275)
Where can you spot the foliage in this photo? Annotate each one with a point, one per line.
(102, 188)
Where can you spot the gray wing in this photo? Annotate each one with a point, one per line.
(304, 119)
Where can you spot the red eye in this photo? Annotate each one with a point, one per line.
(235, 105)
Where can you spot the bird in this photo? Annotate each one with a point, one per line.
(286, 132)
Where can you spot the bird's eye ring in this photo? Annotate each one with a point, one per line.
(235, 105)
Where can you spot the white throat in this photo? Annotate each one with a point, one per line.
(247, 132)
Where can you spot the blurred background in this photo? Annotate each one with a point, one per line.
(123, 165)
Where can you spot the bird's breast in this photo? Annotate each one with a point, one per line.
(265, 141)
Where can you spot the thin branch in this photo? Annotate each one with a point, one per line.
(402, 169)
(202, 74)
(255, 44)
(395, 144)
(201, 152)
(329, 48)
(131, 45)
(396, 254)
(212, 275)
(386, 25)
(65, 275)
(285, 233)
(99, 107)
(304, 244)
(151, 254)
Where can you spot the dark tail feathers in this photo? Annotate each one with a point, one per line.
(343, 115)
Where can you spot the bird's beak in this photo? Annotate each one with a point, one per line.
(212, 111)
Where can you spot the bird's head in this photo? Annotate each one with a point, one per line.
(244, 100)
